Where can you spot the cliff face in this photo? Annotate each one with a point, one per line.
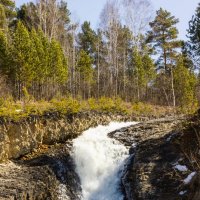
(42, 168)
(49, 174)
(18, 139)
(39, 147)
(163, 155)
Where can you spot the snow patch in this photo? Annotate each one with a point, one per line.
(169, 138)
(181, 168)
(189, 178)
(182, 192)
(134, 145)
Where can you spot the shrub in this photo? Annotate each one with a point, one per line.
(73, 106)
(140, 108)
(66, 106)
(120, 106)
(106, 104)
(93, 104)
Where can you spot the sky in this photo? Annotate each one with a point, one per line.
(90, 10)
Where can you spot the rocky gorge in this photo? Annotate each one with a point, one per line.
(34, 155)
(36, 161)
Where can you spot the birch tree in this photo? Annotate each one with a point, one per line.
(137, 15)
(110, 21)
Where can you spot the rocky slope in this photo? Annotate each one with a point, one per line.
(48, 173)
(39, 147)
(20, 138)
(158, 169)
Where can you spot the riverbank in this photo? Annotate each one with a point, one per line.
(164, 159)
(42, 167)
(24, 126)
(21, 138)
(35, 154)
(49, 169)
(46, 173)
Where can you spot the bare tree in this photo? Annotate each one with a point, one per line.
(53, 17)
(110, 22)
(137, 15)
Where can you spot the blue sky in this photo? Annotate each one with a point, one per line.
(90, 10)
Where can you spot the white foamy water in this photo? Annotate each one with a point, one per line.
(99, 162)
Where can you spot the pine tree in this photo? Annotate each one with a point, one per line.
(63, 22)
(3, 22)
(58, 63)
(9, 8)
(124, 54)
(149, 70)
(27, 14)
(187, 56)
(4, 56)
(87, 39)
(46, 52)
(84, 67)
(40, 64)
(23, 58)
(194, 35)
(138, 71)
(184, 83)
(163, 36)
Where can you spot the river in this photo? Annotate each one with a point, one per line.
(100, 162)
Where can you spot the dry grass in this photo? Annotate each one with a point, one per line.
(22, 109)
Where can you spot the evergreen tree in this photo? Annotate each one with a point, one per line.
(187, 56)
(45, 54)
(138, 71)
(124, 59)
(163, 36)
(63, 22)
(87, 39)
(185, 83)
(143, 71)
(149, 69)
(4, 56)
(194, 35)
(101, 68)
(23, 58)
(84, 67)
(27, 13)
(3, 23)
(58, 63)
(40, 64)
(9, 8)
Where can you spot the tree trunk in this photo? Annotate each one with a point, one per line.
(172, 87)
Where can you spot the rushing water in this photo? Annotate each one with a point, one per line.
(99, 162)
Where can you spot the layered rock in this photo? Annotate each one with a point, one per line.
(158, 168)
(48, 173)
(42, 168)
(39, 147)
(20, 138)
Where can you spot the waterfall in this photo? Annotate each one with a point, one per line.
(99, 162)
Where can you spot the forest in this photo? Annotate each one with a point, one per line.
(131, 56)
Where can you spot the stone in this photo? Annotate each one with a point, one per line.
(150, 174)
